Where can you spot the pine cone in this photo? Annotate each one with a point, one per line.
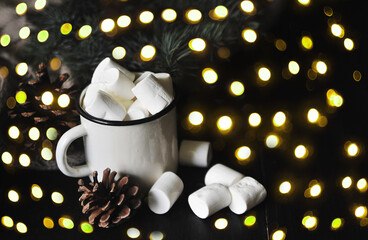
(110, 201)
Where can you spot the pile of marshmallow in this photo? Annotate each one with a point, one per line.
(224, 187)
(116, 94)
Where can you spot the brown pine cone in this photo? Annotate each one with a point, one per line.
(110, 201)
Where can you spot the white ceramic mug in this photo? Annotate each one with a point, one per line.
(143, 148)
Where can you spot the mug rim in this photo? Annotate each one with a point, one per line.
(151, 118)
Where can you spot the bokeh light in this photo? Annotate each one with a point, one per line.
(236, 88)
(320, 67)
(352, 149)
(346, 182)
(197, 44)
(11, 102)
(169, 15)
(280, 45)
(107, 25)
(86, 227)
(24, 32)
(55, 64)
(21, 97)
(118, 53)
(123, 21)
(362, 185)
(146, 17)
(249, 221)
(304, 2)
(7, 221)
(249, 35)
(48, 223)
(133, 232)
(46, 154)
(66, 222)
(85, 31)
(148, 52)
(42, 36)
(57, 197)
(337, 30)
(156, 235)
(13, 196)
(223, 52)
(307, 43)
(313, 115)
(243, 153)
(285, 187)
(21, 227)
(209, 75)
(13, 132)
(315, 189)
(224, 123)
(247, 6)
(333, 98)
(21, 69)
(219, 13)
(279, 119)
(5, 40)
(47, 98)
(310, 222)
(254, 119)
(36, 192)
(272, 141)
(6, 157)
(221, 223)
(193, 16)
(4, 72)
(63, 100)
(34, 133)
(24, 160)
(51, 133)
(195, 118)
(21, 8)
(337, 223)
(301, 152)
(293, 67)
(278, 235)
(360, 211)
(66, 28)
(40, 4)
(264, 74)
(348, 44)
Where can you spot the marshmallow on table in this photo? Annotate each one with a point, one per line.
(101, 105)
(209, 199)
(106, 64)
(246, 194)
(152, 95)
(222, 174)
(137, 111)
(195, 153)
(165, 192)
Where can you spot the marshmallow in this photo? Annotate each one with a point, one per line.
(165, 192)
(142, 75)
(163, 78)
(106, 64)
(101, 105)
(117, 84)
(151, 94)
(137, 111)
(222, 174)
(209, 199)
(195, 153)
(246, 194)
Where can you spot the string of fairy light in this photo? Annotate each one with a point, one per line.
(196, 118)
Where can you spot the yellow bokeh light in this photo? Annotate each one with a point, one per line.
(279, 119)
(328, 11)
(209, 75)
(307, 42)
(320, 67)
(13, 132)
(63, 100)
(352, 150)
(40, 4)
(42, 36)
(280, 45)
(7, 221)
(254, 119)
(249, 35)
(24, 160)
(21, 69)
(148, 52)
(348, 44)
(279, 235)
(57, 197)
(247, 6)
(336, 223)
(272, 141)
(304, 2)
(337, 30)
(24, 32)
(310, 222)
(315, 190)
(66, 222)
(85, 31)
(146, 17)
(86, 227)
(224, 123)
(293, 67)
(193, 16)
(195, 118)
(360, 212)
(55, 64)
(133, 233)
(197, 44)
(223, 52)
(48, 223)
(264, 74)
(362, 185)
(34, 133)
(221, 223)
(237, 88)
(285, 187)
(7, 158)
(249, 221)
(11, 102)
(21, 97)
(5, 40)
(156, 235)
(124, 21)
(118, 53)
(242, 153)
(107, 25)
(4, 72)
(21, 227)
(46, 154)
(21, 8)
(36, 191)
(220, 12)
(333, 98)
(169, 15)
(47, 98)
(66, 28)
(346, 182)
(313, 115)
(51, 133)
(13, 196)
(301, 152)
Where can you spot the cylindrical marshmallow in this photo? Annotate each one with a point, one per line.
(141, 75)
(246, 194)
(152, 95)
(137, 111)
(222, 174)
(105, 107)
(195, 153)
(163, 78)
(209, 199)
(117, 84)
(106, 64)
(165, 192)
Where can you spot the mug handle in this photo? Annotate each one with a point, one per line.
(61, 153)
